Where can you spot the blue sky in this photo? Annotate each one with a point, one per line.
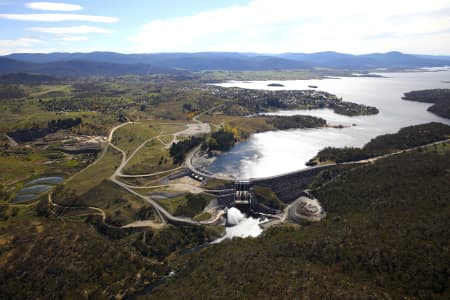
(264, 26)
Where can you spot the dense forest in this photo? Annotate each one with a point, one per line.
(221, 140)
(36, 132)
(50, 258)
(440, 98)
(293, 122)
(179, 150)
(385, 236)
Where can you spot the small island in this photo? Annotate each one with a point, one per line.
(275, 85)
(439, 97)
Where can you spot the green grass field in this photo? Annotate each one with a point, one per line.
(129, 137)
(153, 157)
(95, 173)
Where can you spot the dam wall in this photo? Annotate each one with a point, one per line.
(288, 187)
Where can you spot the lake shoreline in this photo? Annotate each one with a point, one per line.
(277, 152)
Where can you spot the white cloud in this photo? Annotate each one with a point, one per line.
(83, 29)
(53, 6)
(72, 38)
(19, 45)
(298, 25)
(58, 18)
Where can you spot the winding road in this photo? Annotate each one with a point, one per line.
(200, 128)
(162, 212)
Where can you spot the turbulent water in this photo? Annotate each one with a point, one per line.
(278, 152)
(239, 225)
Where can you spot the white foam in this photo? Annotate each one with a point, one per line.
(242, 226)
(234, 216)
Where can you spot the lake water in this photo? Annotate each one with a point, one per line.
(277, 152)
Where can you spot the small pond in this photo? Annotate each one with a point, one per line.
(34, 188)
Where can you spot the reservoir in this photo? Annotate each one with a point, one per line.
(277, 152)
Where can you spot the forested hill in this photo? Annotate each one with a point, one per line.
(73, 68)
(386, 236)
(440, 98)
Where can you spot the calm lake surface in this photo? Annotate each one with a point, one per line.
(277, 152)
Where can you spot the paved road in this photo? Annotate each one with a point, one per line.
(163, 213)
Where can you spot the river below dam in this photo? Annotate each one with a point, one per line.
(277, 152)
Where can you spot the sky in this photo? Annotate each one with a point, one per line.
(262, 26)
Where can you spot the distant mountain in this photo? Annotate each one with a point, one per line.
(400, 60)
(188, 61)
(391, 60)
(438, 57)
(111, 63)
(332, 60)
(74, 68)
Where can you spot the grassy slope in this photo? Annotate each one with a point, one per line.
(129, 137)
(120, 206)
(148, 159)
(386, 233)
(94, 174)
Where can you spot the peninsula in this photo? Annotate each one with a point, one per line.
(249, 101)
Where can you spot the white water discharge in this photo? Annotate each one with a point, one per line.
(240, 226)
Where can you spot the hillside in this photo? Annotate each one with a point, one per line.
(385, 236)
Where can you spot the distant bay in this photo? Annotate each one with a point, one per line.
(278, 152)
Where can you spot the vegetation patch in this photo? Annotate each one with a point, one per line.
(221, 140)
(162, 243)
(179, 150)
(95, 173)
(129, 137)
(195, 203)
(38, 253)
(120, 206)
(204, 216)
(267, 197)
(293, 122)
(439, 97)
(153, 157)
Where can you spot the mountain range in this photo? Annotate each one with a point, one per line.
(113, 64)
